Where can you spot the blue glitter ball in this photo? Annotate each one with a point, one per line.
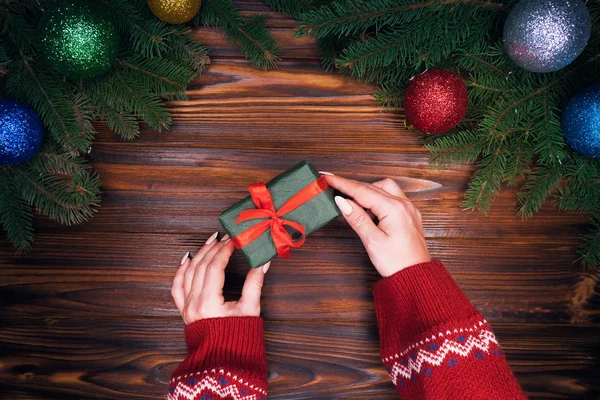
(581, 122)
(546, 35)
(21, 132)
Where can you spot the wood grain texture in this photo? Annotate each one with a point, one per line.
(88, 315)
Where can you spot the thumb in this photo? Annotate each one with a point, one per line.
(253, 287)
(359, 220)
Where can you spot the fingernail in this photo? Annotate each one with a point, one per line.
(224, 238)
(265, 267)
(326, 173)
(344, 206)
(184, 259)
(212, 238)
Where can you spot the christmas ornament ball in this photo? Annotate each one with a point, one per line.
(79, 39)
(436, 101)
(546, 35)
(174, 11)
(581, 122)
(21, 132)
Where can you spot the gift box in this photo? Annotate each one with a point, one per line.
(279, 215)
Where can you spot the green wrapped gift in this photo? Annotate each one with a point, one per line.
(280, 214)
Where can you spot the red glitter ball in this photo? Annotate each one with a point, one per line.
(436, 101)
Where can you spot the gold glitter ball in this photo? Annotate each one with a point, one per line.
(174, 11)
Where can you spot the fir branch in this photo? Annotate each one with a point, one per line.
(581, 199)
(120, 120)
(330, 48)
(124, 123)
(218, 13)
(188, 51)
(4, 61)
(462, 147)
(590, 249)
(377, 52)
(15, 214)
(148, 37)
(17, 30)
(474, 62)
(163, 77)
(387, 77)
(581, 170)
(23, 6)
(55, 161)
(487, 180)
(293, 8)
(65, 201)
(390, 96)
(541, 183)
(493, 89)
(249, 33)
(520, 155)
(141, 101)
(345, 17)
(256, 42)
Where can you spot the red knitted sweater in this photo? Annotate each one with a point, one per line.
(434, 345)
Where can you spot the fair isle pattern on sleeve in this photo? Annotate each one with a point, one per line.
(442, 349)
(213, 385)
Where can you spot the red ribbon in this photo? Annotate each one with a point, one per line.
(265, 209)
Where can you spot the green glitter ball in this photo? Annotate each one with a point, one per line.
(79, 39)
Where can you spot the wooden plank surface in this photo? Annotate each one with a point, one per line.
(88, 315)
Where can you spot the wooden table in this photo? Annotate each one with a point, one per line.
(88, 313)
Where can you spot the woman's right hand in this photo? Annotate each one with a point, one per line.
(397, 242)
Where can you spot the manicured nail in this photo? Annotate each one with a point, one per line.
(212, 238)
(184, 259)
(265, 267)
(344, 206)
(225, 238)
(326, 173)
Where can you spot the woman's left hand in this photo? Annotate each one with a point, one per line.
(198, 285)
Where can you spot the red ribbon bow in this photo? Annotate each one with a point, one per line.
(265, 209)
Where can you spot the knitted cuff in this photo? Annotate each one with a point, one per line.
(234, 342)
(417, 299)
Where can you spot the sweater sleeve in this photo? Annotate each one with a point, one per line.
(226, 360)
(434, 343)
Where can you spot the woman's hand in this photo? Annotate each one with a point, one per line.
(397, 242)
(198, 284)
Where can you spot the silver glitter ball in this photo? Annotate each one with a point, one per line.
(546, 35)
